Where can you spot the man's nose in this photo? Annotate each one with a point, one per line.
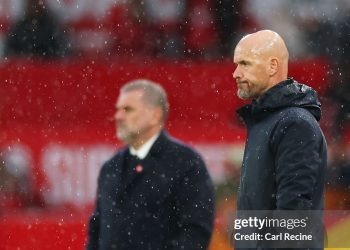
(237, 73)
(118, 115)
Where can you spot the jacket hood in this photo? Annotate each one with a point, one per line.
(288, 93)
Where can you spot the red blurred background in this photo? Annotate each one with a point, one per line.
(56, 126)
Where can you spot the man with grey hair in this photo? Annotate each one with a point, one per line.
(156, 192)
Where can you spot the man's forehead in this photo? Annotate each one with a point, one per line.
(246, 49)
(245, 52)
(130, 97)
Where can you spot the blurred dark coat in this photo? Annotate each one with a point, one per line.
(168, 205)
(286, 154)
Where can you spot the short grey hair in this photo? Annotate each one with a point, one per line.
(154, 93)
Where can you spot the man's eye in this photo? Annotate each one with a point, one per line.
(125, 110)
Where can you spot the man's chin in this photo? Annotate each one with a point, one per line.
(243, 95)
(123, 137)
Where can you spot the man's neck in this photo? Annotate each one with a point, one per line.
(143, 150)
(145, 138)
(271, 85)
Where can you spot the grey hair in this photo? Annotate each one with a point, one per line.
(154, 93)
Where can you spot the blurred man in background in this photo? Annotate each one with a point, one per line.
(155, 193)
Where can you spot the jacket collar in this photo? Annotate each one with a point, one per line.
(160, 144)
(288, 93)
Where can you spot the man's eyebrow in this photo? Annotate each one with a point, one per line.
(124, 107)
(245, 62)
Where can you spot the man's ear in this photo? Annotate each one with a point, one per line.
(157, 115)
(273, 66)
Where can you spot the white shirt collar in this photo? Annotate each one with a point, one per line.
(143, 151)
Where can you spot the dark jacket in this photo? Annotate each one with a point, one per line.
(285, 154)
(169, 205)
